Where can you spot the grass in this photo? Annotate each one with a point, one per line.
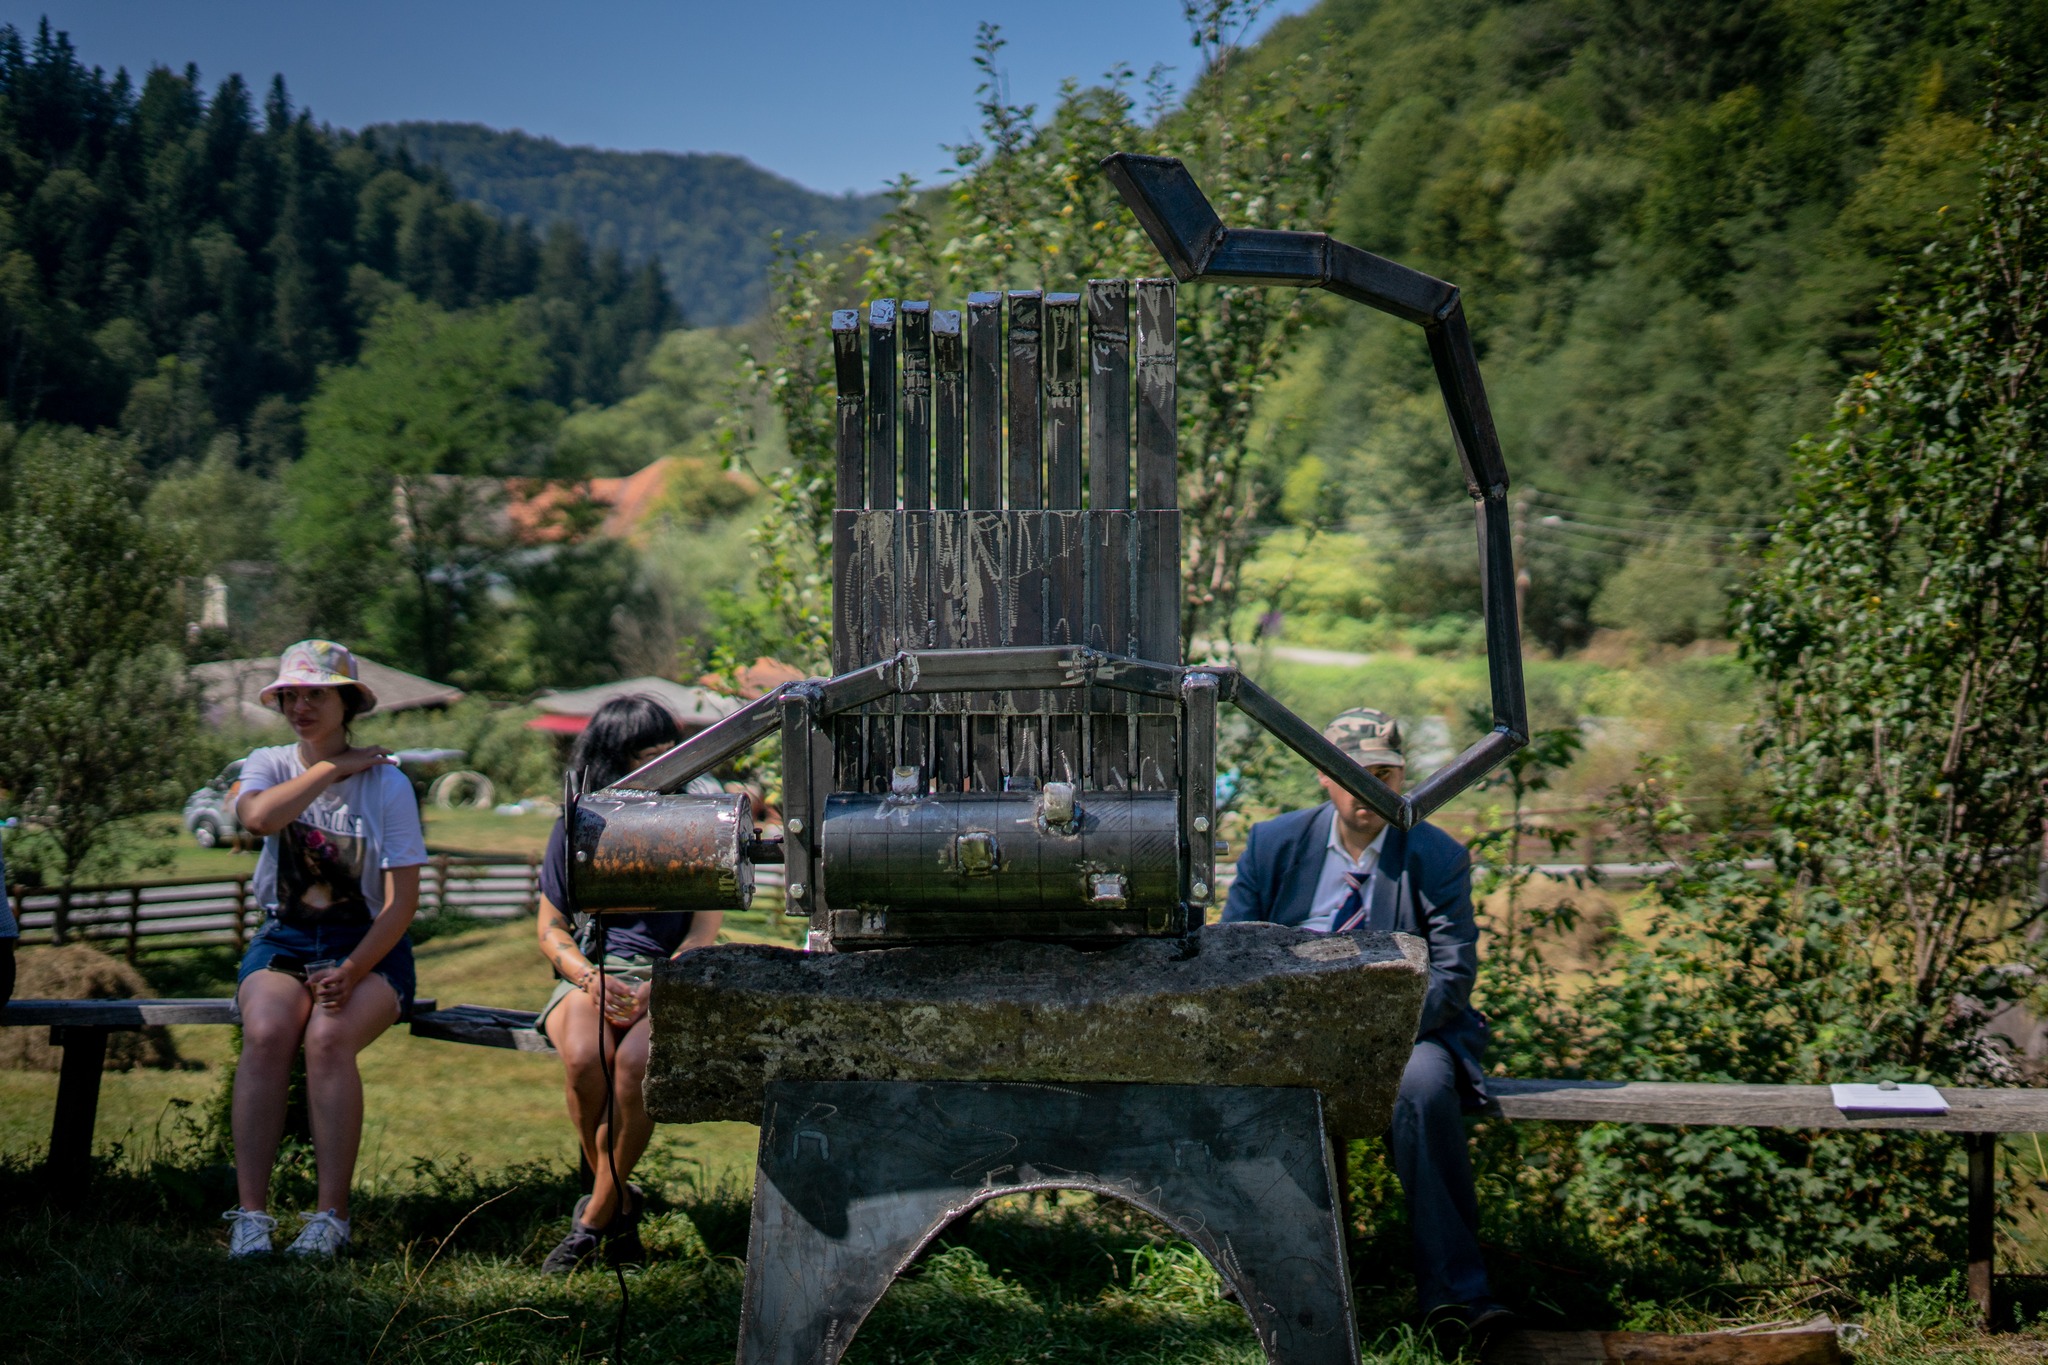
(467, 1176)
(423, 1099)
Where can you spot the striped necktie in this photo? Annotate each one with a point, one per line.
(1351, 913)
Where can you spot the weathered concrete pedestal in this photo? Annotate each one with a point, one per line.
(899, 1088)
(855, 1177)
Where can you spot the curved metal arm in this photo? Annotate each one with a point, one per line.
(1178, 218)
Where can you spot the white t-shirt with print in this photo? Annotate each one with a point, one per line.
(329, 863)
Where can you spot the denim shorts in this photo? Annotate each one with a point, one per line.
(305, 945)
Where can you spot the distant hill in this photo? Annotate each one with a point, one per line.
(705, 218)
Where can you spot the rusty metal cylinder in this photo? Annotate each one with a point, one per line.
(640, 850)
(1055, 849)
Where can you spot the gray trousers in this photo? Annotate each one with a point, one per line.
(1428, 1138)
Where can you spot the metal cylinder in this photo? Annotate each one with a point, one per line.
(1002, 851)
(639, 850)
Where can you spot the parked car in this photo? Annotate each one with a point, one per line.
(210, 811)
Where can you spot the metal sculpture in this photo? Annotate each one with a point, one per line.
(1011, 746)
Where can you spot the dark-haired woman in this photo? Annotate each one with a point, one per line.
(339, 880)
(597, 1020)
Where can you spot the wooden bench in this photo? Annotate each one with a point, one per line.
(80, 1028)
(1979, 1116)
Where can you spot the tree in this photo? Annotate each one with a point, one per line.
(1900, 623)
(396, 535)
(1031, 209)
(96, 713)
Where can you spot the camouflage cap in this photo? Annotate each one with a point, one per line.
(1369, 738)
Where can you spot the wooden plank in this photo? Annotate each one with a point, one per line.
(1109, 394)
(917, 627)
(77, 1110)
(917, 404)
(1062, 400)
(1026, 401)
(1109, 629)
(984, 400)
(881, 584)
(121, 1014)
(483, 1026)
(879, 570)
(1156, 604)
(982, 548)
(1024, 576)
(881, 488)
(1813, 1344)
(1155, 611)
(1063, 535)
(1108, 617)
(949, 408)
(849, 636)
(949, 603)
(851, 486)
(986, 606)
(918, 630)
(1024, 568)
(1711, 1104)
(1158, 425)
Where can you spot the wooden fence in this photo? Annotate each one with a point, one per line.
(222, 910)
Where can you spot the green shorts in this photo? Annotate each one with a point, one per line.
(631, 968)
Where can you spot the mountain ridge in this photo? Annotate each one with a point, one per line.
(705, 217)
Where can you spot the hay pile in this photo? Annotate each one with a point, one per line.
(76, 972)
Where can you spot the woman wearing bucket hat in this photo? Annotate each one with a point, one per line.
(331, 969)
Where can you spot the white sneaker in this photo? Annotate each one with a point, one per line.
(325, 1235)
(250, 1235)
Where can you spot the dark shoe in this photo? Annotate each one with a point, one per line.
(1484, 1316)
(622, 1245)
(572, 1251)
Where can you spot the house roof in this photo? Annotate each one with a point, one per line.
(229, 689)
(693, 707)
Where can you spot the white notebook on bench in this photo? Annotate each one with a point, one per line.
(1888, 1097)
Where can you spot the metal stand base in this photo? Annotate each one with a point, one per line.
(855, 1177)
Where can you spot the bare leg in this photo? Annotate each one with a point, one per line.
(334, 1086)
(574, 1028)
(631, 1129)
(274, 1009)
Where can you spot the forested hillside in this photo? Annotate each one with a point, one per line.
(178, 263)
(1674, 226)
(707, 219)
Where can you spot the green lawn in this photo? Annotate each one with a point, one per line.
(423, 1099)
(468, 1175)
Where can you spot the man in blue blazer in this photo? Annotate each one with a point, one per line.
(1340, 867)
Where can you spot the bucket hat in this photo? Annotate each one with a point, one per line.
(318, 663)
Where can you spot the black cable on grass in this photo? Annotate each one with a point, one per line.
(611, 1142)
(605, 1067)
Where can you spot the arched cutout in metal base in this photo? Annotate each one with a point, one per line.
(855, 1177)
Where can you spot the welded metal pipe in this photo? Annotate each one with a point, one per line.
(640, 850)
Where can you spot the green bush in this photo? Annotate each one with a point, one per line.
(519, 762)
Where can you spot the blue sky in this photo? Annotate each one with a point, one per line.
(834, 95)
